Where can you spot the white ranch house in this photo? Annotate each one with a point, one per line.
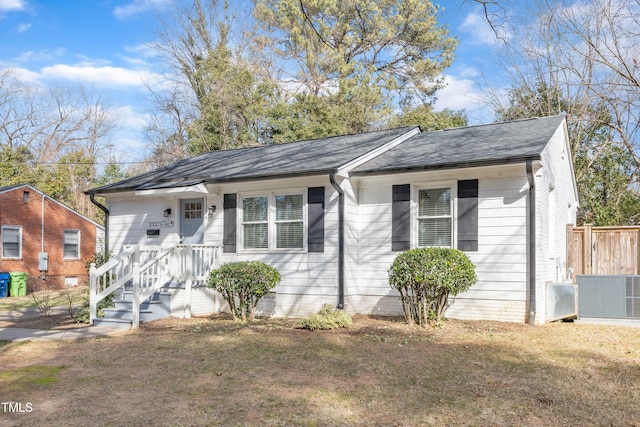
(331, 214)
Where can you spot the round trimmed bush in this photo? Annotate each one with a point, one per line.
(426, 278)
(242, 284)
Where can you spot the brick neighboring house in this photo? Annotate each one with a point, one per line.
(33, 226)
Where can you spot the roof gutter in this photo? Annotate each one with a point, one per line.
(341, 253)
(531, 201)
(106, 221)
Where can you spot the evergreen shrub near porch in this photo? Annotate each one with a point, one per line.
(426, 278)
(242, 284)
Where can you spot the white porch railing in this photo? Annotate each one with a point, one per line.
(147, 269)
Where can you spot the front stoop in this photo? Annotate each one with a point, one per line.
(158, 306)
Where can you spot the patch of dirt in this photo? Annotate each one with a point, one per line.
(52, 322)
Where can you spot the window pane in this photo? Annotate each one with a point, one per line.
(11, 235)
(254, 209)
(434, 202)
(71, 245)
(289, 208)
(70, 237)
(11, 242)
(256, 236)
(289, 235)
(434, 232)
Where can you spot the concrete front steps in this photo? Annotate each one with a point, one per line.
(121, 316)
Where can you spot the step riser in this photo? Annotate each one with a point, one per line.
(110, 323)
(156, 307)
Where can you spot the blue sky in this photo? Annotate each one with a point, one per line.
(104, 45)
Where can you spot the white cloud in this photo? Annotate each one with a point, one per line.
(41, 55)
(464, 94)
(458, 94)
(476, 25)
(105, 75)
(24, 75)
(128, 118)
(23, 27)
(139, 6)
(9, 5)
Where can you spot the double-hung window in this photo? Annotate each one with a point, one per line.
(274, 221)
(71, 244)
(11, 242)
(435, 218)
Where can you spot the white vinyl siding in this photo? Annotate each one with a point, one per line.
(501, 259)
(71, 244)
(11, 242)
(435, 224)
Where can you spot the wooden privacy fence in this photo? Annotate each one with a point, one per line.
(603, 250)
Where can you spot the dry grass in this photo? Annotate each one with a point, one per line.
(58, 297)
(204, 372)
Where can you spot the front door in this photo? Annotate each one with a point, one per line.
(192, 221)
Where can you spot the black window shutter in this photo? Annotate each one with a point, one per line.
(229, 226)
(401, 218)
(468, 215)
(315, 213)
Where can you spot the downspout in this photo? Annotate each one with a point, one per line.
(106, 221)
(531, 200)
(341, 254)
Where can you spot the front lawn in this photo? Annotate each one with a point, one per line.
(379, 372)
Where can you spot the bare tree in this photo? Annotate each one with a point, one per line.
(579, 58)
(50, 135)
(218, 96)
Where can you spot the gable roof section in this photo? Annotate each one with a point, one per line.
(484, 145)
(303, 158)
(10, 188)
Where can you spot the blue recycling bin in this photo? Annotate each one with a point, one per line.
(4, 284)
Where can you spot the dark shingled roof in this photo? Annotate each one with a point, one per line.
(500, 143)
(303, 158)
(484, 145)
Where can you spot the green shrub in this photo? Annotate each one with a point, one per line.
(242, 284)
(426, 278)
(83, 313)
(327, 318)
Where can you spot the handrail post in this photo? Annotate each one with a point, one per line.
(135, 315)
(93, 293)
(188, 281)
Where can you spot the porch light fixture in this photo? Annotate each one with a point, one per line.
(167, 212)
(212, 210)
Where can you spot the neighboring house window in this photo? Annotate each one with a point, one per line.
(435, 224)
(275, 221)
(71, 244)
(11, 242)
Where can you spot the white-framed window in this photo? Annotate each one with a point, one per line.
(71, 244)
(255, 222)
(289, 221)
(11, 241)
(435, 216)
(274, 221)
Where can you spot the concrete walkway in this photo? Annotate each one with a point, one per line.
(23, 334)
